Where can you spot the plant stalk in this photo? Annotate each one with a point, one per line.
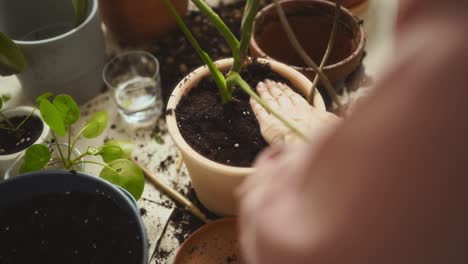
(9, 123)
(26, 119)
(215, 72)
(65, 162)
(303, 54)
(331, 42)
(250, 11)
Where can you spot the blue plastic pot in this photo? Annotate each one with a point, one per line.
(29, 186)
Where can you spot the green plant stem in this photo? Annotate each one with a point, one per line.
(303, 54)
(7, 128)
(69, 143)
(250, 11)
(331, 42)
(25, 120)
(79, 157)
(96, 163)
(9, 123)
(79, 135)
(220, 26)
(235, 79)
(215, 72)
(59, 150)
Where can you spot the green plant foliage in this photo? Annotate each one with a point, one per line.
(96, 124)
(125, 174)
(12, 60)
(52, 117)
(81, 8)
(36, 158)
(68, 109)
(116, 149)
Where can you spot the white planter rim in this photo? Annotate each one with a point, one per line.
(88, 19)
(203, 71)
(25, 110)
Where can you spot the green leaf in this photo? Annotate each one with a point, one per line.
(52, 117)
(44, 96)
(96, 124)
(68, 108)
(81, 8)
(116, 149)
(93, 151)
(125, 174)
(36, 158)
(12, 60)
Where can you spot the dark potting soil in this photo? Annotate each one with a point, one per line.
(74, 228)
(230, 133)
(15, 141)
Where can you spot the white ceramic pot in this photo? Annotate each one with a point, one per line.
(61, 58)
(7, 160)
(213, 182)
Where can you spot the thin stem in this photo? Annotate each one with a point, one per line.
(235, 78)
(250, 11)
(9, 123)
(221, 26)
(215, 72)
(79, 157)
(331, 42)
(96, 163)
(26, 119)
(69, 143)
(59, 150)
(303, 54)
(78, 136)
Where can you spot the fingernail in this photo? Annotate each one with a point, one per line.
(260, 85)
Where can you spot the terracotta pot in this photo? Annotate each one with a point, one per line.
(312, 21)
(213, 182)
(215, 242)
(350, 3)
(137, 21)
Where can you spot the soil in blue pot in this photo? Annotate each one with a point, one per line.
(68, 228)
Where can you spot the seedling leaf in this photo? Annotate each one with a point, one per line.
(116, 149)
(12, 60)
(52, 117)
(36, 158)
(125, 174)
(96, 124)
(68, 108)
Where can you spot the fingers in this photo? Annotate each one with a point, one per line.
(260, 112)
(265, 94)
(294, 97)
(278, 93)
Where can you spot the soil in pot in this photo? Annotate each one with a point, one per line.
(227, 134)
(68, 228)
(16, 141)
(312, 31)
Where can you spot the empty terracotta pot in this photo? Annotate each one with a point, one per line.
(137, 21)
(312, 21)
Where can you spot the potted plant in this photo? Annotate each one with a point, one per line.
(60, 114)
(217, 132)
(69, 217)
(312, 21)
(135, 22)
(62, 44)
(20, 127)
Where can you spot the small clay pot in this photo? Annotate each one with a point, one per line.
(216, 242)
(138, 21)
(312, 21)
(350, 3)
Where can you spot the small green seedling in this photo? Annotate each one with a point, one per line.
(12, 60)
(60, 114)
(8, 125)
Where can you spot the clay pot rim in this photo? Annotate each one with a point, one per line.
(199, 74)
(356, 53)
(205, 228)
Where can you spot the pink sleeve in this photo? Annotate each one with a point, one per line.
(391, 185)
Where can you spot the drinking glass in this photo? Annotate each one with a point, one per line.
(134, 77)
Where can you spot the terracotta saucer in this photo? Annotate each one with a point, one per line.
(215, 242)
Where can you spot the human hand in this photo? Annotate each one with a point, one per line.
(291, 106)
